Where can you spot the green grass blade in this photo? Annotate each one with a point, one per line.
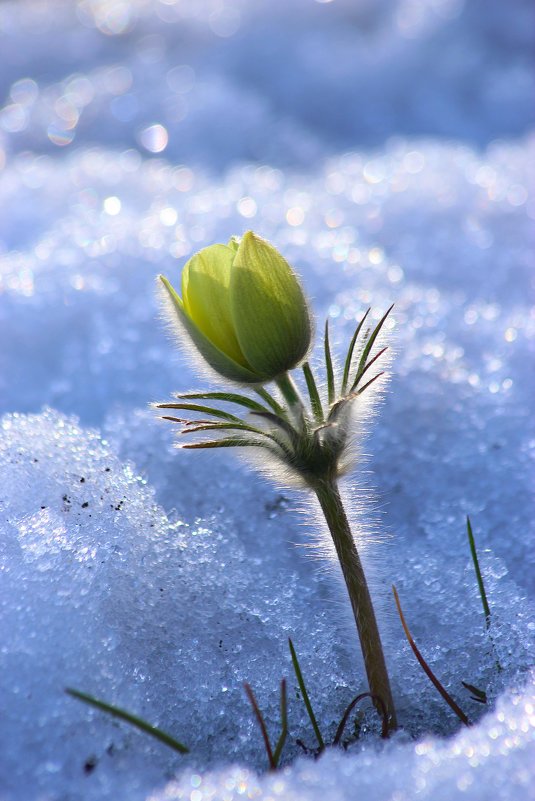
(315, 400)
(349, 357)
(304, 693)
(139, 723)
(369, 345)
(229, 397)
(329, 365)
(475, 560)
(284, 724)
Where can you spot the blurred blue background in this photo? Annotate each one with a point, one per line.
(283, 81)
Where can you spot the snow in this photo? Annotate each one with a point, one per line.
(131, 134)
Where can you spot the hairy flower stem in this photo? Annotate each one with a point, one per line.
(331, 504)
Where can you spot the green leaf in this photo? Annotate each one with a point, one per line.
(349, 357)
(281, 423)
(194, 407)
(315, 400)
(368, 347)
(372, 361)
(270, 400)
(230, 397)
(225, 443)
(284, 724)
(194, 429)
(304, 693)
(329, 365)
(139, 723)
(368, 383)
(475, 560)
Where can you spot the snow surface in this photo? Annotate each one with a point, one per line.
(382, 146)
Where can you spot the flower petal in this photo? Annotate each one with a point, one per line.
(218, 360)
(269, 310)
(205, 294)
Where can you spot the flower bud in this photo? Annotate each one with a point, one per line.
(244, 310)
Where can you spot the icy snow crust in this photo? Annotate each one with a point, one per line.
(161, 580)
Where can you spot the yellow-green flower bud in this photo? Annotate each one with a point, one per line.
(244, 310)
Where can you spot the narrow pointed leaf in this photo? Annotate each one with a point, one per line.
(235, 427)
(194, 407)
(284, 724)
(270, 400)
(368, 347)
(139, 723)
(372, 361)
(425, 667)
(224, 427)
(370, 382)
(349, 357)
(230, 397)
(262, 725)
(281, 423)
(224, 443)
(283, 428)
(306, 698)
(475, 560)
(329, 365)
(315, 400)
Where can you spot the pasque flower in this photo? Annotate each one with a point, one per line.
(244, 310)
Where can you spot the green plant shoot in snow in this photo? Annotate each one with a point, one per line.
(242, 309)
